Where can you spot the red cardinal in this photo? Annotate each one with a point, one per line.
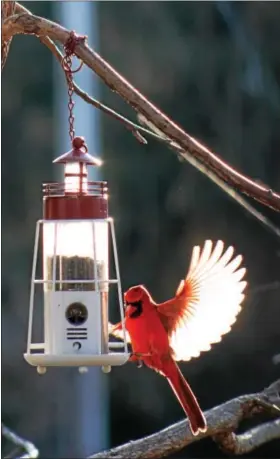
(204, 308)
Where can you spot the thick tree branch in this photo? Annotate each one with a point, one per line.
(188, 146)
(222, 422)
(7, 9)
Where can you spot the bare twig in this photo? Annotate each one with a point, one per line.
(263, 288)
(210, 174)
(30, 450)
(272, 393)
(30, 24)
(229, 190)
(276, 359)
(222, 421)
(134, 128)
(244, 443)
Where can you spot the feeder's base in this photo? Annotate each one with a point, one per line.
(75, 360)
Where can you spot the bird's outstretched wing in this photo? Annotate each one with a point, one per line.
(206, 302)
(117, 331)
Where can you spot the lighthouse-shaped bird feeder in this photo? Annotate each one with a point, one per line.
(75, 233)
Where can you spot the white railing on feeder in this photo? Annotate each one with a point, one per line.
(42, 346)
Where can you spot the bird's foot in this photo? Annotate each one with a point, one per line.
(137, 357)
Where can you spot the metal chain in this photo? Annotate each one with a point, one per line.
(71, 103)
(69, 47)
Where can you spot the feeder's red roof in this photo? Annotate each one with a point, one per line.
(79, 153)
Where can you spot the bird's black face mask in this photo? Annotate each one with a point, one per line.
(136, 308)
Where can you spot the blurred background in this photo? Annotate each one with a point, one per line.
(215, 69)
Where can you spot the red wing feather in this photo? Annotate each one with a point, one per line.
(207, 302)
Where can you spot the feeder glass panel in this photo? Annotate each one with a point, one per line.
(77, 179)
(79, 251)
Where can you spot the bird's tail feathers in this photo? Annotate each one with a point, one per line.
(187, 399)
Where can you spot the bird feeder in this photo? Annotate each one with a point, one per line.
(75, 233)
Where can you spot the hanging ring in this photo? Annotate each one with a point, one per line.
(69, 47)
(67, 68)
(79, 143)
(79, 68)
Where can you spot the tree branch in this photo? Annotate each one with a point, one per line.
(135, 129)
(221, 420)
(30, 450)
(244, 443)
(7, 9)
(188, 146)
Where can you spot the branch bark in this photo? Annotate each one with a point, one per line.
(222, 421)
(184, 145)
(7, 9)
(244, 443)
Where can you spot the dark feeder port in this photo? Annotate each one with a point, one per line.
(76, 314)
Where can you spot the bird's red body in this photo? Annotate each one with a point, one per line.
(148, 335)
(178, 329)
(150, 343)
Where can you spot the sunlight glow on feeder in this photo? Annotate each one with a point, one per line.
(75, 235)
(76, 239)
(72, 174)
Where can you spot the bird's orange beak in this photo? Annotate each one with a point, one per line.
(133, 303)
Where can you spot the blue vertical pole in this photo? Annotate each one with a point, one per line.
(88, 427)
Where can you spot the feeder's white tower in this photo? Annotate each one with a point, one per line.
(75, 269)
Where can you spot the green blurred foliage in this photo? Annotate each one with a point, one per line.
(214, 67)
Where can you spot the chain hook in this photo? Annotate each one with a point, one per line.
(69, 48)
